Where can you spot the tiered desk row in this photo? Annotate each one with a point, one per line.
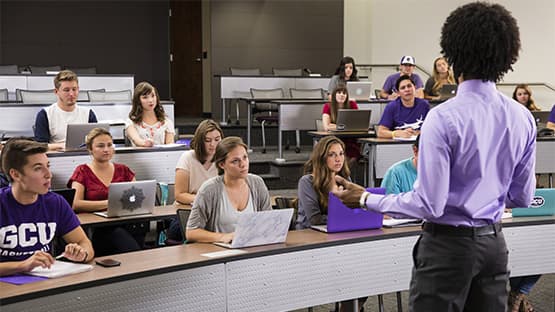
(310, 269)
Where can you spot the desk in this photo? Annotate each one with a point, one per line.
(322, 267)
(46, 82)
(231, 86)
(18, 119)
(382, 153)
(159, 213)
(156, 163)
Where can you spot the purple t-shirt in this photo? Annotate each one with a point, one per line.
(552, 115)
(397, 116)
(25, 229)
(389, 84)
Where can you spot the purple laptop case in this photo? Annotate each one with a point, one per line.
(342, 218)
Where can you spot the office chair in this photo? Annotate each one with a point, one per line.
(171, 194)
(241, 94)
(3, 94)
(110, 96)
(84, 94)
(266, 107)
(8, 70)
(297, 72)
(317, 94)
(43, 69)
(182, 218)
(36, 96)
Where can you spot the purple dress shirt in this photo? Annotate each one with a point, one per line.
(476, 157)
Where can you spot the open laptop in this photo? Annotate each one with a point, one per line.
(261, 228)
(76, 134)
(359, 90)
(543, 204)
(130, 199)
(447, 91)
(353, 120)
(541, 118)
(344, 219)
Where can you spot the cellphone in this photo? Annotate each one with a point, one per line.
(108, 262)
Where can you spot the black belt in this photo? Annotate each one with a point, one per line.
(450, 230)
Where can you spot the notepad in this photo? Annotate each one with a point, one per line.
(411, 138)
(60, 268)
(401, 222)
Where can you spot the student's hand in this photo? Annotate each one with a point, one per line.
(226, 237)
(349, 193)
(405, 133)
(393, 96)
(39, 258)
(76, 253)
(56, 147)
(148, 143)
(332, 127)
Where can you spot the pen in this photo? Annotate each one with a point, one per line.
(60, 256)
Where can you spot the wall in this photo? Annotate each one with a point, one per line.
(399, 27)
(128, 37)
(280, 34)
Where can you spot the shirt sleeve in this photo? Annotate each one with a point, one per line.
(390, 182)
(523, 184)
(262, 193)
(428, 199)
(169, 126)
(353, 104)
(92, 117)
(326, 109)
(199, 212)
(333, 84)
(67, 220)
(552, 115)
(77, 176)
(418, 81)
(308, 205)
(389, 84)
(387, 116)
(41, 129)
(429, 86)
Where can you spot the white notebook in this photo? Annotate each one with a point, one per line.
(60, 268)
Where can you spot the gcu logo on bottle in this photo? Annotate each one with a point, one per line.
(537, 202)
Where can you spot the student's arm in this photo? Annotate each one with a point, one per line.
(385, 133)
(327, 124)
(134, 136)
(169, 138)
(39, 258)
(41, 129)
(79, 247)
(182, 194)
(308, 204)
(550, 125)
(419, 93)
(204, 236)
(82, 205)
(92, 117)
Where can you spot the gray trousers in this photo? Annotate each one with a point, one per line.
(459, 273)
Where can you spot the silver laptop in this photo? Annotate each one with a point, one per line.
(261, 228)
(541, 118)
(353, 120)
(130, 198)
(76, 134)
(359, 90)
(447, 91)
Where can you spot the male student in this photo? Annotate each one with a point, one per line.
(476, 157)
(403, 117)
(51, 122)
(31, 216)
(400, 176)
(389, 90)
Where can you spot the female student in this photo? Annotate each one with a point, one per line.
(346, 71)
(196, 165)
(441, 75)
(91, 182)
(340, 100)
(148, 124)
(523, 95)
(326, 161)
(221, 199)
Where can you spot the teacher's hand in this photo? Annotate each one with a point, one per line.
(349, 193)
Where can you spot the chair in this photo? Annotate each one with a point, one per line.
(8, 70)
(84, 94)
(288, 202)
(36, 96)
(377, 93)
(43, 69)
(3, 94)
(171, 194)
(244, 71)
(83, 70)
(319, 125)
(297, 72)
(110, 96)
(307, 93)
(266, 107)
(182, 217)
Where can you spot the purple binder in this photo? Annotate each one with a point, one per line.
(343, 219)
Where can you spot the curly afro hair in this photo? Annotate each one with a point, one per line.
(481, 41)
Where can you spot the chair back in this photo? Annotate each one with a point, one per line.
(43, 69)
(171, 194)
(297, 72)
(319, 125)
(3, 94)
(8, 70)
(183, 217)
(307, 93)
(244, 71)
(110, 96)
(288, 202)
(36, 96)
(84, 94)
(266, 94)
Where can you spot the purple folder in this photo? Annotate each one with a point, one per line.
(343, 219)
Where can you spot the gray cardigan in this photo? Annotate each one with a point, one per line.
(206, 210)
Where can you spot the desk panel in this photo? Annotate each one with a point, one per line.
(389, 154)
(156, 163)
(545, 159)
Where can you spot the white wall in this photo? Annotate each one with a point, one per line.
(392, 28)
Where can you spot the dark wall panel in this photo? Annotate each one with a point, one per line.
(120, 37)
